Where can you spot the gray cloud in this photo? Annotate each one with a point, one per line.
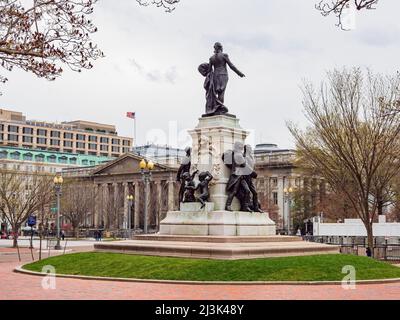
(170, 75)
(275, 43)
(378, 36)
(263, 41)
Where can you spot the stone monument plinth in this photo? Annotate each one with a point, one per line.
(212, 137)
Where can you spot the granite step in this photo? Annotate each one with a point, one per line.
(216, 239)
(215, 250)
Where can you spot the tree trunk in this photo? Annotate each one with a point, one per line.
(370, 236)
(76, 232)
(40, 245)
(379, 203)
(15, 230)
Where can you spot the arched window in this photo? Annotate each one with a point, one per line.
(63, 159)
(39, 158)
(15, 155)
(52, 159)
(27, 156)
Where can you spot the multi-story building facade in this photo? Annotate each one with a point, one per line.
(47, 162)
(29, 162)
(276, 174)
(76, 137)
(280, 181)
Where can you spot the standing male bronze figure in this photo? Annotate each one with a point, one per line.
(235, 160)
(184, 168)
(216, 74)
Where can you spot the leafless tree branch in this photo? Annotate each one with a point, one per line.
(337, 7)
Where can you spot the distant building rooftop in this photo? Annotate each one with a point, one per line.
(269, 148)
(161, 154)
(271, 155)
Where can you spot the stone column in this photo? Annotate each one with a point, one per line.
(211, 138)
(171, 195)
(115, 207)
(106, 199)
(281, 201)
(158, 203)
(97, 205)
(126, 209)
(137, 205)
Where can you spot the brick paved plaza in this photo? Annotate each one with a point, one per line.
(25, 287)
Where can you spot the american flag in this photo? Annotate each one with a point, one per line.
(131, 115)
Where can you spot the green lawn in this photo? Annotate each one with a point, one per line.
(304, 268)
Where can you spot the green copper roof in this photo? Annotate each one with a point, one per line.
(47, 156)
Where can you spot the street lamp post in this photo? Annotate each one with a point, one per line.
(58, 181)
(145, 168)
(288, 193)
(129, 222)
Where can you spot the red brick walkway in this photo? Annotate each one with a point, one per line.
(20, 286)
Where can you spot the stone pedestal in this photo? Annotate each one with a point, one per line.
(217, 223)
(212, 137)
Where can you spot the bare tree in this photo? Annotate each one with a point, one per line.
(77, 202)
(336, 207)
(45, 198)
(305, 203)
(338, 7)
(168, 5)
(273, 212)
(46, 35)
(114, 210)
(19, 197)
(352, 142)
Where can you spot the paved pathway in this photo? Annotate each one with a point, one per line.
(25, 242)
(20, 286)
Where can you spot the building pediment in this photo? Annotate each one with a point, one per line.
(125, 164)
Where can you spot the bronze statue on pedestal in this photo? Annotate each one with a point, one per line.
(216, 74)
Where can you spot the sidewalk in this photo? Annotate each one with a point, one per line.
(25, 287)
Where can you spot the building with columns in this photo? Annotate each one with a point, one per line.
(276, 173)
(117, 179)
(121, 177)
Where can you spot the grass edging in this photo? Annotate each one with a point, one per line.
(21, 270)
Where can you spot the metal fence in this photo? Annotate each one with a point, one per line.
(384, 248)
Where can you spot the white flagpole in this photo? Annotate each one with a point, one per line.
(134, 132)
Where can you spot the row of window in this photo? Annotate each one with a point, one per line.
(274, 182)
(41, 158)
(67, 135)
(28, 168)
(67, 144)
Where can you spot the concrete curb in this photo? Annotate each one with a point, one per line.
(20, 269)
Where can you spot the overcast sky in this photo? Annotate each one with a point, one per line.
(152, 58)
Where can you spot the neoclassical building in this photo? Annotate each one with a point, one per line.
(117, 179)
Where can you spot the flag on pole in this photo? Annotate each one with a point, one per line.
(131, 115)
